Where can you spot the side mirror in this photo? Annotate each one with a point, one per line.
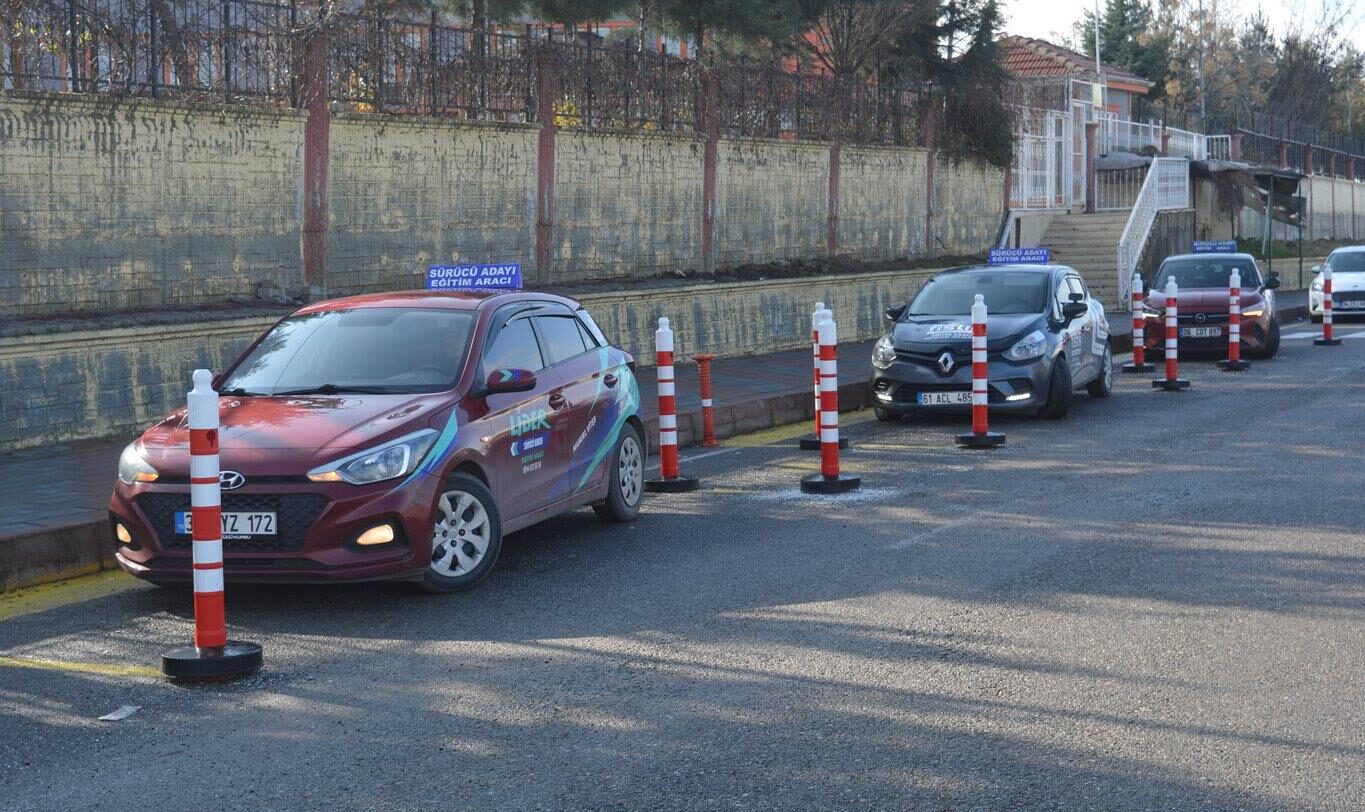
(1317, 269)
(510, 380)
(894, 312)
(1273, 282)
(1074, 310)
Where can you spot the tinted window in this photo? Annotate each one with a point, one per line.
(1347, 261)
(1207, 273)
(563, 337)
(385, 349)
(514, 348)
(593, 329)
(1006, 292)
(588, 340)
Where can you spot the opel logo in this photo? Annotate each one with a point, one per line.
(946, 361)
(230, 480)
(1200, 318)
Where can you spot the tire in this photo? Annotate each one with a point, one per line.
(1272, 342)
(1103, 386)
(626, 479)
(1058, 391)
(466, 517)
(885, 416)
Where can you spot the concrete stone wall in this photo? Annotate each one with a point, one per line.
(116, 204)
(405, 193)
(96, 383)
(968, 206)
(625, 205)
(110, 204)
(883, 196)
(772, 200)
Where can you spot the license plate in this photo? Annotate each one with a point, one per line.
(1200, 332)
(944, 398)
(236, 525)
(1350, 304)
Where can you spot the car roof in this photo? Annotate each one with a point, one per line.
(1349, 249)
(434, 299)
(1239, 255)
(1009, 267)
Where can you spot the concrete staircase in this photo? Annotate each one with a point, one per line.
(1089, 243)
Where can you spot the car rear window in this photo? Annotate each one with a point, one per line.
(374, 348)
(1006, 292)
(1207, 273)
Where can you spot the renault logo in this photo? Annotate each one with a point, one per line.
(946, 362)
(230, 480)
(1200, 318)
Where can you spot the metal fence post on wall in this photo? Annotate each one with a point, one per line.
(227, 50)
(587, 101)
(379, 61)
(663, 89)
(431, 62)
(72, 55)
(153, 51)
(545, 163)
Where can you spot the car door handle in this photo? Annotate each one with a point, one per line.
(557, 401)
(609, 379)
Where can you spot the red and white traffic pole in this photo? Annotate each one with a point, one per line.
(980, 436)
(812, 443)
(1139, 362)
(1234, 362)
(708, 416)
(670, 479)
(213, 656)
(1172, 381)
(1327, 340)
(830, 479)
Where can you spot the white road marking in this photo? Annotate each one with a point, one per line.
(1337, 332)
(928, 534)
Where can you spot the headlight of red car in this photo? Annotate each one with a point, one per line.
(388, 461)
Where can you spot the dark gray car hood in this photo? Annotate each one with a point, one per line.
(936, 333)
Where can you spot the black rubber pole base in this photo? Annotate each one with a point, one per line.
(991, 439)
(682, 483)
(1228, 365)
(812, 443)
(1326, 342)
(1167, 385)
(190, 664)
(1132, 367)
(819, 483)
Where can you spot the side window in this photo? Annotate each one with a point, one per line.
(1060, 296)
(563, 337)
(599, 337)
(588, 340)
(514, 348)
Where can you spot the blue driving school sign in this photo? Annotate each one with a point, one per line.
(506, 276)
(1020, 256)
(1220, 247)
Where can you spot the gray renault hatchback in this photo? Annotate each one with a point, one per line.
(1046, 337)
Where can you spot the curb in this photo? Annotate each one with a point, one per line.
(55, 554)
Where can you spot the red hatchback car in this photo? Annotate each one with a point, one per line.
(395, 436)
(1202, 281)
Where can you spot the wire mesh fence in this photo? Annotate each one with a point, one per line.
(377, 60)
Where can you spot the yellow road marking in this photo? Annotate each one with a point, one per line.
(76, 590)
(101, 669)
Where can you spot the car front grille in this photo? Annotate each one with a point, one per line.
(294, 515)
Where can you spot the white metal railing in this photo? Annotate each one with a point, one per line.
(1040, 171)
(1218, 147)
(1186, 144)
(1118, 189)
(1166, 187)
(1116, 135)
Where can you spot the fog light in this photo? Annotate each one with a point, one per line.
(380, 534)
(124, 536)
(1020, 396)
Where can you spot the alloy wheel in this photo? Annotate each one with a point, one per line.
(461, 535)
(630, 470)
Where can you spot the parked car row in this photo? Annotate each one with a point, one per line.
(402, 435)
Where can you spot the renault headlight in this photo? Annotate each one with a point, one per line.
(392, 459)
(1030, 346)
(132, 467)
(1317, 284)
(884, 353)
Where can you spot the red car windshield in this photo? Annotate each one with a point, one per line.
(375, 349)
(1207, 273)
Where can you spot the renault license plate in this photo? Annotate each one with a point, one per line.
(963, 398)
(1350, 304)
(1200, 332)
(236, 524)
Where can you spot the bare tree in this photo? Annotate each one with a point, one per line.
(849, 33)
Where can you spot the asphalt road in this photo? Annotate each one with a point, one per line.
(1156, 604)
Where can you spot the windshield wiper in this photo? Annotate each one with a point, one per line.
(334, 389)
(239, 392)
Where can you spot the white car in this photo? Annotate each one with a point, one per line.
(1348, 283)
